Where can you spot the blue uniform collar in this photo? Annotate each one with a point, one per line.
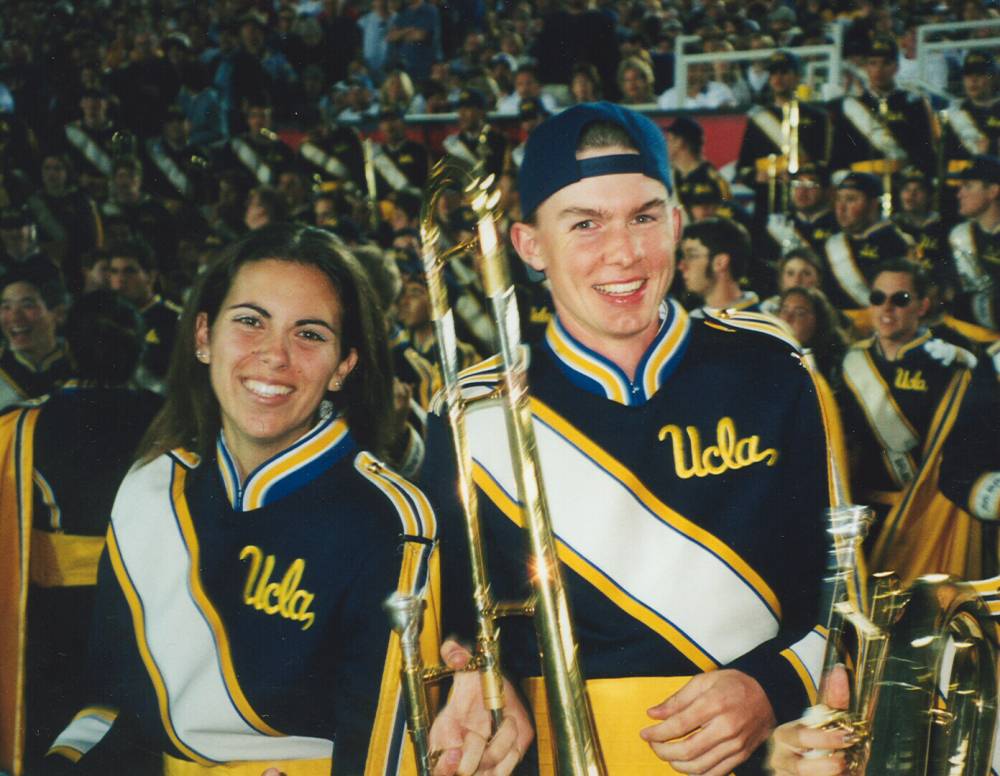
(308, 457)
(593, 372)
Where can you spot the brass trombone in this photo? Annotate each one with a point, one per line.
(574, 733)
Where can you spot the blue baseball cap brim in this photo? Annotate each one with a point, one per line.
(550, 162)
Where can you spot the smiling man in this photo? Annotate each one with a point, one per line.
(899, 382)
(32, 357)
(672, 494)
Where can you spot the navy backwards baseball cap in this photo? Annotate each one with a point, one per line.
(550, 162)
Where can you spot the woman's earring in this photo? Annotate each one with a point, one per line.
(202, 356)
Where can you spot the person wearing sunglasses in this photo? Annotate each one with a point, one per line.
(904, 390)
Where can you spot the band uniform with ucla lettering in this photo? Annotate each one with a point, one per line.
(905, 390)
(290, 622)
(66, 517)
(687, 502)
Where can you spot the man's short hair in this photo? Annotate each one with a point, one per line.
(134, 249)
(816, 170)
(689, 131)
(550, 162)
(921, 281)
(722, 235)
(866, 183)
(45, 277)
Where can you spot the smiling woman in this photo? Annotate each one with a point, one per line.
(252, 545)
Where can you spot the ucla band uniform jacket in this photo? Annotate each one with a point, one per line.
(245, 624)
(688, 503)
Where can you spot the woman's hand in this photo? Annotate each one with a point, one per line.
(461, 732)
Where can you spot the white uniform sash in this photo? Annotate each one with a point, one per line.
(169, 167)
(46, 217)
(624, 541)
(328, 162)
(974, 279)
(871, 127)
(388, 169)
(893, 430)
(966, 130)
(454, 146)
(517, 156)
(767, 123)
(782, 229)
(806, 656)
(984, 499)
(91, 151)
(845, 269)
(155, 559)
(251, 160)
(9, 391)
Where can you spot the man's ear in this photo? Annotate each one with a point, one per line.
(924, 305)
(720, 261)
(526, 243)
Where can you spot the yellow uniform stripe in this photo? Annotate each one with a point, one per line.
(609, 381)
(666, 349)
(657, 507)
(208, 610)
(326, 439)
(622, 600)
(139, 624)
(803, 673)
(373, 471)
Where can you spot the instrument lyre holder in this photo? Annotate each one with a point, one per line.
(574, 736)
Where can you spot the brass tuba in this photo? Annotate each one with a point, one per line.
(574, 733)
(922, 666)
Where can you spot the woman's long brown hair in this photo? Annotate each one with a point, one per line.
(190, 416)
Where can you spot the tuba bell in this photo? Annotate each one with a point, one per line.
(921, 663)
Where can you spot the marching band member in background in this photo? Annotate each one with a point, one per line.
(252, 544)
(32, 306)
(905, 389)
(975, 243)
(641, 413)
(715, 254)
(94, 420)
(864, 240)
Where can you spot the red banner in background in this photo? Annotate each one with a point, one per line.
(723, 135)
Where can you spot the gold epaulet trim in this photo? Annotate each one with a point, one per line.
(185, 457)
(756, 322)
(477, 378)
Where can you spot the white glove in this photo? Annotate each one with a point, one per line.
(996, 360)
(947, 354)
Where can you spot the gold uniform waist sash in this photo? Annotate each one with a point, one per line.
(620, 713)
(174, 766)
(64, 560)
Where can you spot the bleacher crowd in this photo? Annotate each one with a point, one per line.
(139, 138)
